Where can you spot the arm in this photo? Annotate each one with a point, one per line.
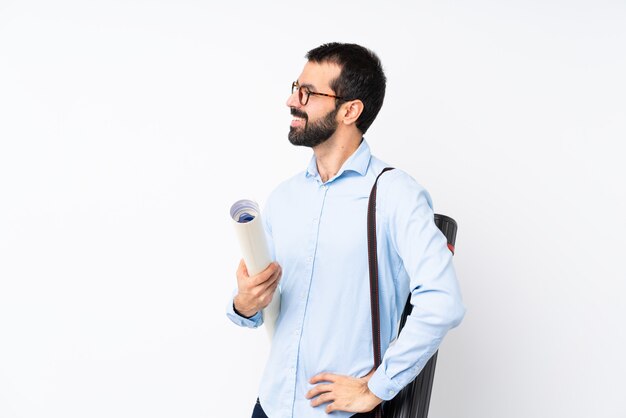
(412, 233)
(435, 293)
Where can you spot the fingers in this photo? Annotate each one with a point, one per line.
(270, 284)
(319, 389)
(322, 399)
(324, 392)
(256, 292)
(266, 277)
(242, 270)
(323, 377)
(343, 393)
(266, 297)
(272, 272)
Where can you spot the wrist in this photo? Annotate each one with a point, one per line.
(241, 310)
(374, 397)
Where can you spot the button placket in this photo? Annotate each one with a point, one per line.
(302, 303)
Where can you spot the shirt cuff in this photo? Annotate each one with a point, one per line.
(253, 322)
(382, 386)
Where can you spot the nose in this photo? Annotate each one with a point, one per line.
(293, 100)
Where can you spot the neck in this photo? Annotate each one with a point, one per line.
(331, 154)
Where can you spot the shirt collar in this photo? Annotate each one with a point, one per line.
(357, 162)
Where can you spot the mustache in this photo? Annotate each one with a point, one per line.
(299, 114)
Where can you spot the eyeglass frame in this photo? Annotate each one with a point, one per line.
(295, 85)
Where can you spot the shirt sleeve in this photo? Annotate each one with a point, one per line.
(435, 293)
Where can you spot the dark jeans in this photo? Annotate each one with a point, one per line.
(258, 412)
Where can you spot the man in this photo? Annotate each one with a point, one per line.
(321, 356)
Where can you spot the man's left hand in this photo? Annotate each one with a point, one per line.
(343, 393)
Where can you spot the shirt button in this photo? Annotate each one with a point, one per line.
(309, 259)
(392, 392)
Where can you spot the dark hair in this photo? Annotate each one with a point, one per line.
(362, 77)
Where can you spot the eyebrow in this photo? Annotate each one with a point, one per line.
(309, 86)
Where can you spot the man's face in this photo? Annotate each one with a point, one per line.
(315, 122)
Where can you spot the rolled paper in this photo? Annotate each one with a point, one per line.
(253, 243)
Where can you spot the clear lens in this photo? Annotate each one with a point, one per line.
(303, 93)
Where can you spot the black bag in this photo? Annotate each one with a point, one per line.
(414, 399)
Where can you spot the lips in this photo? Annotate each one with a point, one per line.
(298, 122)
(299, 118)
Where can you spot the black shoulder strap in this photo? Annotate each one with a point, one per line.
(373, 268)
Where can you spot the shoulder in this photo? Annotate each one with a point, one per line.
(398, 190)
(396, 181)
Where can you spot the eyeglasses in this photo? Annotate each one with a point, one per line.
(304, 93)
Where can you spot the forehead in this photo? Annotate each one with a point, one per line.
(319, 75)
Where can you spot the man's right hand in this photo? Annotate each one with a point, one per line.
(255, 292)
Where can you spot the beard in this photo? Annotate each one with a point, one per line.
(315, 133)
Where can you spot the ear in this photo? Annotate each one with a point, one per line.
(350, 111)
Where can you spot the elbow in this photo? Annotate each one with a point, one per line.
(455, 310)
(457, 313)
(443, 315)
(452, 313)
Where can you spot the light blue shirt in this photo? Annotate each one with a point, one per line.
(318, 233)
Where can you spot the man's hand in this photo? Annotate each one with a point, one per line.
(344, 393)
(255, 293)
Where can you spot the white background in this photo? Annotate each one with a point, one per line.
(127, 129)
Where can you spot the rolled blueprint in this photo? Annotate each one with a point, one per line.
(249, 227)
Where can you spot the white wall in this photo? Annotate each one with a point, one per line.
(127, 128)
